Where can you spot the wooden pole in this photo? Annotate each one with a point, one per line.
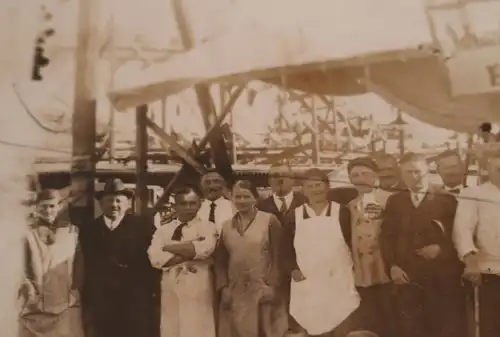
(314, 134)
(84, 114)
(141, 152)
(164, 118)
(18, 30)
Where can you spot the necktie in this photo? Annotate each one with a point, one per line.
(211, 216)
(283, 207)
(416, 199)
(177, 235)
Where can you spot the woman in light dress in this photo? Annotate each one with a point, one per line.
(248, 270)
(323, 297)
(50, 293)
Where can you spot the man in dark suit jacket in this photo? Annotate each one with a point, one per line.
(420, 257)
(118, 275)
(282, 203)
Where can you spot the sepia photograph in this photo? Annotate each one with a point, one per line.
(250, 168)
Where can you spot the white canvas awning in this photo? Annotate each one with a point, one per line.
(323, 49)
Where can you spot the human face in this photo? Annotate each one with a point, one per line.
(187, 206)
(49, 209)
(363, 178)
(281, 180)
(494, 171)
(451, 170)
(114, 206)
(212, 185)
(315, 190)
(388, 172)
(415, 175)
(243, 199)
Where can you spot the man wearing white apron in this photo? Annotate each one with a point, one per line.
(323, 292)
(182, 249)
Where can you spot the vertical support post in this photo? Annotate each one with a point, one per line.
(84, 114)
(164, 118)
(314, 135)
(113, 67)
(402, 134)
(18, 32)
(141, 151)
(336, 126)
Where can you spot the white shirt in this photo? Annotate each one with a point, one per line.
(288, 200)
(224, 210)
(417, 197)
(186, 288)
(112, 224)
(477, 228)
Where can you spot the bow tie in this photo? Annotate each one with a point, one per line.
(454, 191)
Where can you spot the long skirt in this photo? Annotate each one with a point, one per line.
(66, 324)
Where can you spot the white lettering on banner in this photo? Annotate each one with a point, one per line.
(469, 37)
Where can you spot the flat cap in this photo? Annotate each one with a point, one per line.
(362, 161)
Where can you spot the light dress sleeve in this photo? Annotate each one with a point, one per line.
(161, 237)
(466, 222)
(205, 246)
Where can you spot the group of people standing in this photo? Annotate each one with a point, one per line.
(394, 255)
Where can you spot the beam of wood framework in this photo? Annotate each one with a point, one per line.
(205, 100)
(141, 168)
(167, 142)
(84, 115)
(202, 145)
(314, 132)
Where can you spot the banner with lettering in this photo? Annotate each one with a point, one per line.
(468, 32)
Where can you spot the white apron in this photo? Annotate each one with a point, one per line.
(328, 294)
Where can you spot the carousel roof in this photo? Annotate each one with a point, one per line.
(383, 47)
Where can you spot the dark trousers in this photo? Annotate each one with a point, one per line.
(377, 310)
(430, 308)
(489, 306)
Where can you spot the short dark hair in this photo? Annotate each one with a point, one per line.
(412, 157)
(247, 185)
(314, 174)
(212, 170)
(447, 154)
(485, 127)
(185, 190)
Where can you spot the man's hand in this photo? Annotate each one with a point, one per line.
(225, 298)
(429, 252)
(398, 275)
(177, 259)
(297, 276)
(472, 272)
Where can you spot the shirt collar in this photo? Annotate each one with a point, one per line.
(216, 201)
(288, 198)
(459, 187)
(110, 222)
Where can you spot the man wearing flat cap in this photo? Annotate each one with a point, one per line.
(360, 221)
(118, 283)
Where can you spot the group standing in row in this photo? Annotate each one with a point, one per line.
(387, 256)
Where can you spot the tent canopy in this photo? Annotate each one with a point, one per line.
(384, 47)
